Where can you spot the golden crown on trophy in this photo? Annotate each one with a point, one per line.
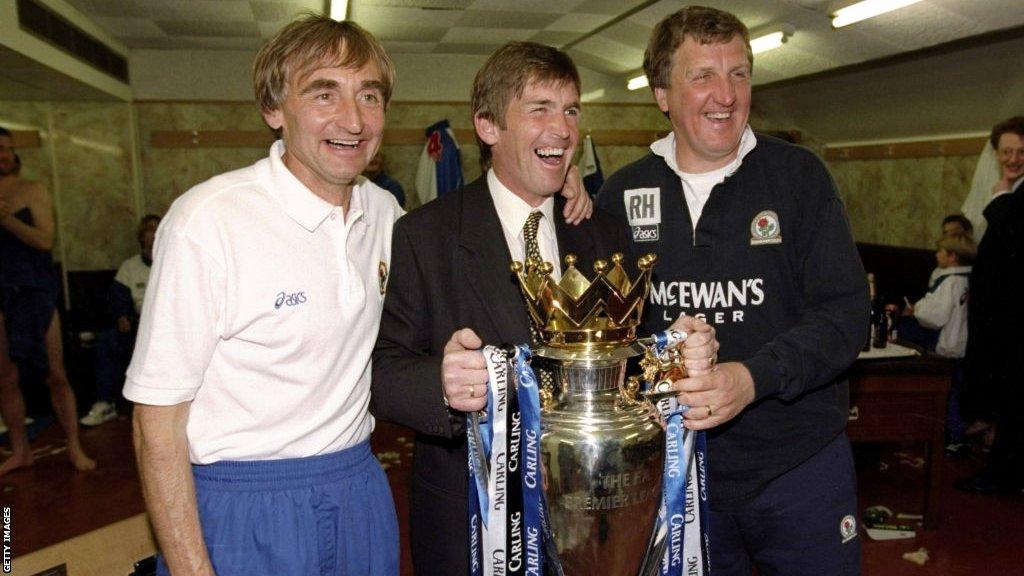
(577, 312)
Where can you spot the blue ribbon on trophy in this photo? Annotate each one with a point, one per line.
(584, 482)
(686, 550)
(535, 527)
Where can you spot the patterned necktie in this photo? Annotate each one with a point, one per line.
(542, 369)
(530, 236)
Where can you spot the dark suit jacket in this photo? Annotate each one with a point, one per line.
(995, 312)
(450, 270)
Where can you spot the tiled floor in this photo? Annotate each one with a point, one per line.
(978, 535)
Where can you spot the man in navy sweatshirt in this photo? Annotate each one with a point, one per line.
(751, 235)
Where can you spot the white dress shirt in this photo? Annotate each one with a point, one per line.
(513, 212)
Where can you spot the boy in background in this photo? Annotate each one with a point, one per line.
(938, 321)
(941, 315)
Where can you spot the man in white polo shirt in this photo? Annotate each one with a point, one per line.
(251, 372)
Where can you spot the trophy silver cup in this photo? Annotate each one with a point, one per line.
(602, 448)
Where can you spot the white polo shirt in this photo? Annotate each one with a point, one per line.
(513, 212)
(263, 306)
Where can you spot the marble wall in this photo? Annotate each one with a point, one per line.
(86, 160)
(167, 172)
(97, 161)
(902, 202)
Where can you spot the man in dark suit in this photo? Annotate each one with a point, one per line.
(451, 289)
(994, 315)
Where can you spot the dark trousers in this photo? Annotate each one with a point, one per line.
(113, 353)
(956, 428)
(803, 524)
(1005, 464)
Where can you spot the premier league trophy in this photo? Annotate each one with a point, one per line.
(578, 471)
(574, 481)
(602, 449)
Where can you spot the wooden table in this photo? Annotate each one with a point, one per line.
(904, 399)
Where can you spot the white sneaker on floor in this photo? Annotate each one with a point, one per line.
(101, 412)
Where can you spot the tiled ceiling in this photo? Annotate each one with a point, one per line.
(479, 26)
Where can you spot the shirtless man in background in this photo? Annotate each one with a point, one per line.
(30, 338)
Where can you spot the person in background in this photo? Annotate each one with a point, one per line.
(114, 345)
(938, 321)
(1009, 147)
(32, 346)
(992, 392)
(952, 224)
(756, 225)
(957, 224)
(375, 172)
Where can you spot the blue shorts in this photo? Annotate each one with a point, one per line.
(804, 523)
(322, 515)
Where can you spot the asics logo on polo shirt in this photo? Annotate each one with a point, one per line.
(293, 299)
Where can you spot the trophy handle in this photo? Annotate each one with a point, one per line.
(629, 391)
(651, 565)
(659, 371)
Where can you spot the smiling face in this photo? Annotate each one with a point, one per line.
(531, 155)
(332, 121)
(708, 102)
(1010, 154)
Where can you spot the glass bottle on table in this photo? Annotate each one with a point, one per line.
(871, 313)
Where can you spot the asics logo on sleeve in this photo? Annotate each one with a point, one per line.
(285, 299)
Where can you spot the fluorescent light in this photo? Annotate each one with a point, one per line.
(767, 42)
(339, 10)
(592, 95)
(867, 9)
(637, 83)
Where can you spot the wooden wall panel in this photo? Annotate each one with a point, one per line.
(393, 137)
(26, 138)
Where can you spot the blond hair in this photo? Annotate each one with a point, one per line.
(311, 42)
(962, 245)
